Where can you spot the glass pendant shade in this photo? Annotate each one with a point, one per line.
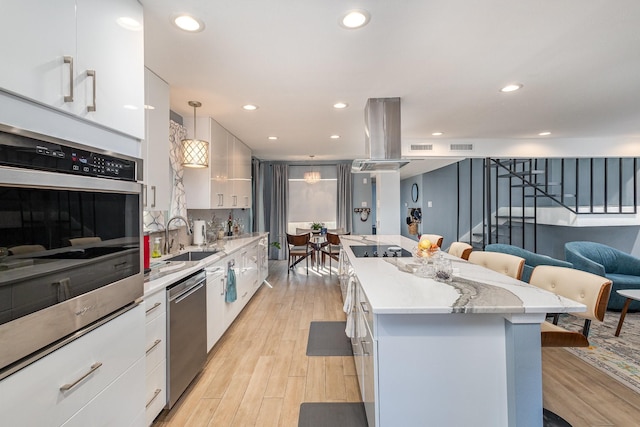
(195, 152)
(311, 177)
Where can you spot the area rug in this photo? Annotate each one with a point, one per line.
(618, 357)
(328, 339)
(332, 414)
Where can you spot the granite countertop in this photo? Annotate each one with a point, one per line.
(153, 283)
(474, 289)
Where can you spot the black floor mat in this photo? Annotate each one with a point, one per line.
(328, 339)
(330, 414)
(549, 419)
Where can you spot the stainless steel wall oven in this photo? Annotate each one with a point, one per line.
(70, 233)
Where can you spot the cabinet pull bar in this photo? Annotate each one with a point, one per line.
(69, 60)
(69, 386)
(144, 195)
(155, 394)
(92, 73)
(154, 345)
(153, 188)
(156, 305)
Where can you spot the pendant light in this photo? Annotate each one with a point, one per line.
(312, 177)
(195, 152)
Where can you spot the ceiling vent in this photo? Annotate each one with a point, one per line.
(460, 147)
(421, 147)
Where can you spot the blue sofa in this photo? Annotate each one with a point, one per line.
(531, 259)
(619, 267)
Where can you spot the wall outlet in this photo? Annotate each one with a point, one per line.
(429, 204)
(364, 204)
(364, 180)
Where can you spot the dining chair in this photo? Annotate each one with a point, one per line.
(509, 265)
(332, 249)
(460, 250)
(433, 238)
(299, 249)
(586, 288)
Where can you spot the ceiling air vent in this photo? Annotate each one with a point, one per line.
(460, 147)
(421, 147)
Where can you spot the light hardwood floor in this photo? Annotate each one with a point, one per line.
(259, 374)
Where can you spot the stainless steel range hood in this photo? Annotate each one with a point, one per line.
(382, 137)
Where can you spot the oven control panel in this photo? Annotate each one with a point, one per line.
(26, 152)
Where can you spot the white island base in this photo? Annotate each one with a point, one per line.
(458, 370)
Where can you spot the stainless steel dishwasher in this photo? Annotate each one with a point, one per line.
(186, 333)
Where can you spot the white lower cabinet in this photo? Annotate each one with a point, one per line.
(156, 355)
(216, 284)
(365, 352)
(86, 378)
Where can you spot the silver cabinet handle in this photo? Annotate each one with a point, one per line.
(69, 386)
(222, 280)
(155, 394)
(92, 73)
(244, 295)
(246, 201)
(154, 345)
(153, 188)
(220, 199)
(235, 200)
(69, 60)
(364, 307)
(156, 305)
(144, 195)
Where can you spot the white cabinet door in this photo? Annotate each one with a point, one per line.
(76, 56)
(157, 174)
(218, 163)
(38, 36)
(57, 386)
(216, 283)
(241, 163)
(116, 53)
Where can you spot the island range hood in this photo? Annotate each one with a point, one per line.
(382, 137)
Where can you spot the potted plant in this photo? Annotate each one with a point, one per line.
(316, 227)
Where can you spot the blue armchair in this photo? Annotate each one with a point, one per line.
(531, 259)
(619, 267)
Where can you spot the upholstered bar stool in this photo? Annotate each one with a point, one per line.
(506, 264)
(460, 250)
(433, 238)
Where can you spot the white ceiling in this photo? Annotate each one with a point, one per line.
(579, 62)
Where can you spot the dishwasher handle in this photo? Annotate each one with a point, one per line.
(184, 295)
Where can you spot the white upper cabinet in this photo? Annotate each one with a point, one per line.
(226, 183)
(80, 57)
(157, 176)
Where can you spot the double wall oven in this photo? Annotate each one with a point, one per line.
(70, 232)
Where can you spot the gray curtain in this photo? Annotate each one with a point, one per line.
(258, 202)
(344, 216)
(279, 204)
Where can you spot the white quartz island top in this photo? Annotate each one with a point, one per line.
(474, 289)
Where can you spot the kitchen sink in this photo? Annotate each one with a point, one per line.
(192, 256)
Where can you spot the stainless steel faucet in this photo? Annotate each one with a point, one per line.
(167, 246)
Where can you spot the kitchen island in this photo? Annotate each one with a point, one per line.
(461, 353)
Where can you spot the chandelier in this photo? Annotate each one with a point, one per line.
(195, 152)
(311, 177)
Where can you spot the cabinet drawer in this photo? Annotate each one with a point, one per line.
(117, 345)
(155, 305)
(156, 393)
(118, 405)
(156, 339)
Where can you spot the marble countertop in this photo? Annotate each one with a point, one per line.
(153, 285)
(474, 289)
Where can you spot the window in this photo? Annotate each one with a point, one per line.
(315, 202)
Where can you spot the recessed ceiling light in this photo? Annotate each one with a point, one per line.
(511, 87)
(340, 105)
(437, 133)
(335, 137)
(188, 23)
(546, 133)
(129, 23)
(355, 19)
(273, 138)
(250, 107)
